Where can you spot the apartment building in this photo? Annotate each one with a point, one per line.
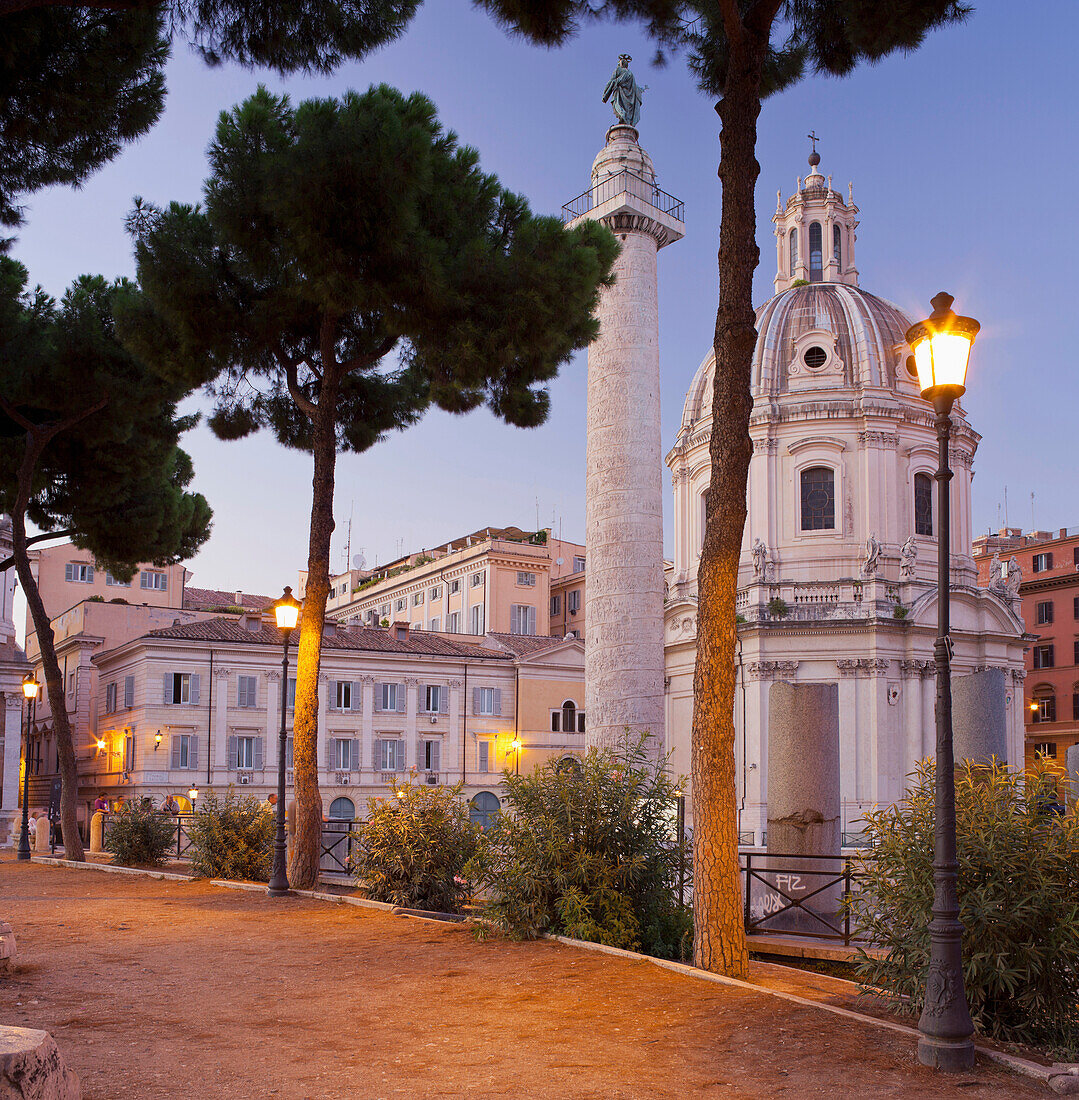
(1049, 590)
(498, 579)
(198, 705)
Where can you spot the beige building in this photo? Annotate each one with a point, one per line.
(12, 669)
(499, 579)
(198, 704)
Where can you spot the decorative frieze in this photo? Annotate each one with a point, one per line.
(863, 666)
(920, 669)
(640, 223)
(770, 670)
(878, 439)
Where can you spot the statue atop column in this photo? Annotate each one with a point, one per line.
(625, 93)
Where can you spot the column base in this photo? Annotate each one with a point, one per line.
(948, 1055)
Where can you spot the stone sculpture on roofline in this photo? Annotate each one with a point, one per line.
(625, 93)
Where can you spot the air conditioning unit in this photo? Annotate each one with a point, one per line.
(343, 778)
(434, 719)
(244, 778)
(431, 779)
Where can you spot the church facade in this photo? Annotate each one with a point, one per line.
(837, 582)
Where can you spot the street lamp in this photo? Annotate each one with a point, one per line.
(30, 688)
(515, 744)
(193, 794)
(941, 345)
(286, 612)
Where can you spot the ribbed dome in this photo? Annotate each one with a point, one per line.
(864, 347)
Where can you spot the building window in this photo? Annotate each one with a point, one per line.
(112, 582)
(1048, 749)
(158, 582)
(487, 701)
(401, 604)
(483, 809)
(818, 499)
(556, 605)
(435, 624)
(453, 622)
(417, 599)
(1075, 653)
(1043, 612)
(432, 752)
(483, 758)
(923, 504)
(181, 687)
(455, 587)
(1043, 656)
(578, 563)
(522, 618)
(556, 721)
(1075, 706)
(184, 752)
(476, 615)
(477, 580)
(343, 756)
(793, 250)
(391, 756)
(569, 716)
(1075, 608)
(342, 809)
(1043, 562)
(816, 252)
(436, 593)
(837, 247)
(79, 572)
(343, 694)
(527, 579)
(248, 691)
(433, 698)
(290, 702)
(1047, 709)
(389, 696)
(573, 601)
(245, 753)
(110, 698)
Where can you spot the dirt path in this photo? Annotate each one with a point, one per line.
(162, 989)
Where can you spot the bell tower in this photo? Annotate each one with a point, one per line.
(815, 232)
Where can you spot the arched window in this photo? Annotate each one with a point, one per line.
(794, 251)
(837, 247)
(818, 499)
(569, 716)
(816, 253)
(342, 809)
(483, 808)
(923, 504)
(570, 766)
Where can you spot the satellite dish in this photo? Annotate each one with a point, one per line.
(359, 561)
(558, 561)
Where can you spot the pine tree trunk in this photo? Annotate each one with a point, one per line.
(54, 680)
(303, 868)
(719, 939)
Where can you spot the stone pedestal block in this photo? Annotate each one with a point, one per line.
(979, 717)
(97, 832)
(1071, 761)
(41, 834)
(7, 948)
(31, 1067)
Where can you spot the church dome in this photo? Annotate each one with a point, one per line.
(819, 336)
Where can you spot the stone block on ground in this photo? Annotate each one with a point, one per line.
(7, 948)
(32, 1068)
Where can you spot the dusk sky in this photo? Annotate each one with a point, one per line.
(957, 154)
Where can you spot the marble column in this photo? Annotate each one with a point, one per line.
(11, 714)
(623, 481)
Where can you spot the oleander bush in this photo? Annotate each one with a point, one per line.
(413, 847)
(231, 837)
(137, 837)
(590, 851)
(1018, 897)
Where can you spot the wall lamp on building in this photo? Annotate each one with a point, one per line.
(515, 744)
(157, 740)
(941, 345)
(30, 689)
(100, 745)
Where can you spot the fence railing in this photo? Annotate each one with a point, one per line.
(616, 184)
(179, 822)
(338, 845)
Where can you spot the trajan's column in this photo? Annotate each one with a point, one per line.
(623, 625)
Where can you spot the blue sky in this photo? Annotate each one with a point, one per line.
(960, 156)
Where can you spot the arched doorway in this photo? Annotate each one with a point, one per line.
(342, 809)
(483, 808)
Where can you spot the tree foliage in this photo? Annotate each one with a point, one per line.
(231, 837)
(414, 845)
(351, 266)
(139, 837)
(588, 849)
(1018, 902)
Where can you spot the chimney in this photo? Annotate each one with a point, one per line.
(372, 618)
(252, 621)
(1063, 533)
(239, 598)
(329, 629)
(400, 632)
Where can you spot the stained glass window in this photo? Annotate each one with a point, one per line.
(923, 504)
(818, 499)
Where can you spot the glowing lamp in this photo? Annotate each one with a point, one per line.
(401, 793)
(30, 686)
(1033, 706)
(515, 744)
(193, 794)
(157, 739)
(941, 345)
(287, 610)
(100, 745)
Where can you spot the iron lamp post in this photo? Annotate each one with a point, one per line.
(30, 689)
(515, 744)
(941, 345)
(286, 613)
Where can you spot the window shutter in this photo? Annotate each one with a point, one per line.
(130, 745)
(129, 691)
(498, 700)
(233, 750)
(357, 695)
(288, 752)
(401, 697)
(379, 691)
(194, 688)
(531, 615)
(354, 761)
(175, 761)
(331, 754)
(193, 753)
(168, 688)
(484, 756)
(436, 752)
(475, 700)
(378, 754)
(444, 699)
(260, 748)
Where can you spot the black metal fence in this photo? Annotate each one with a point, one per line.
(181, 843)
(618, 183)
(339, 843)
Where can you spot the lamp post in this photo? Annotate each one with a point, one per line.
(941, 346)
(30, 688)
(286, 612)
(515, 744)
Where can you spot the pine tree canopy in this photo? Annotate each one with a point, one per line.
(336, 232)
(114, 474)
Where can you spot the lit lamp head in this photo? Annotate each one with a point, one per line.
(515, 744)
(941, 345)
(287, 610)
(100, 745)
(193, 794)
(30, 686)
(157, 739)
(1033, 706)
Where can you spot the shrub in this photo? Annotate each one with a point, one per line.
(778, 608)
(232, 837)
(1018, 897)
(138, 836)
(900, 612)
(589, 852)
(413, 848)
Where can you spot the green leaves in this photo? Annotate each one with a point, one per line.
(231, 837)
(138, 837)
(1019, 902)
